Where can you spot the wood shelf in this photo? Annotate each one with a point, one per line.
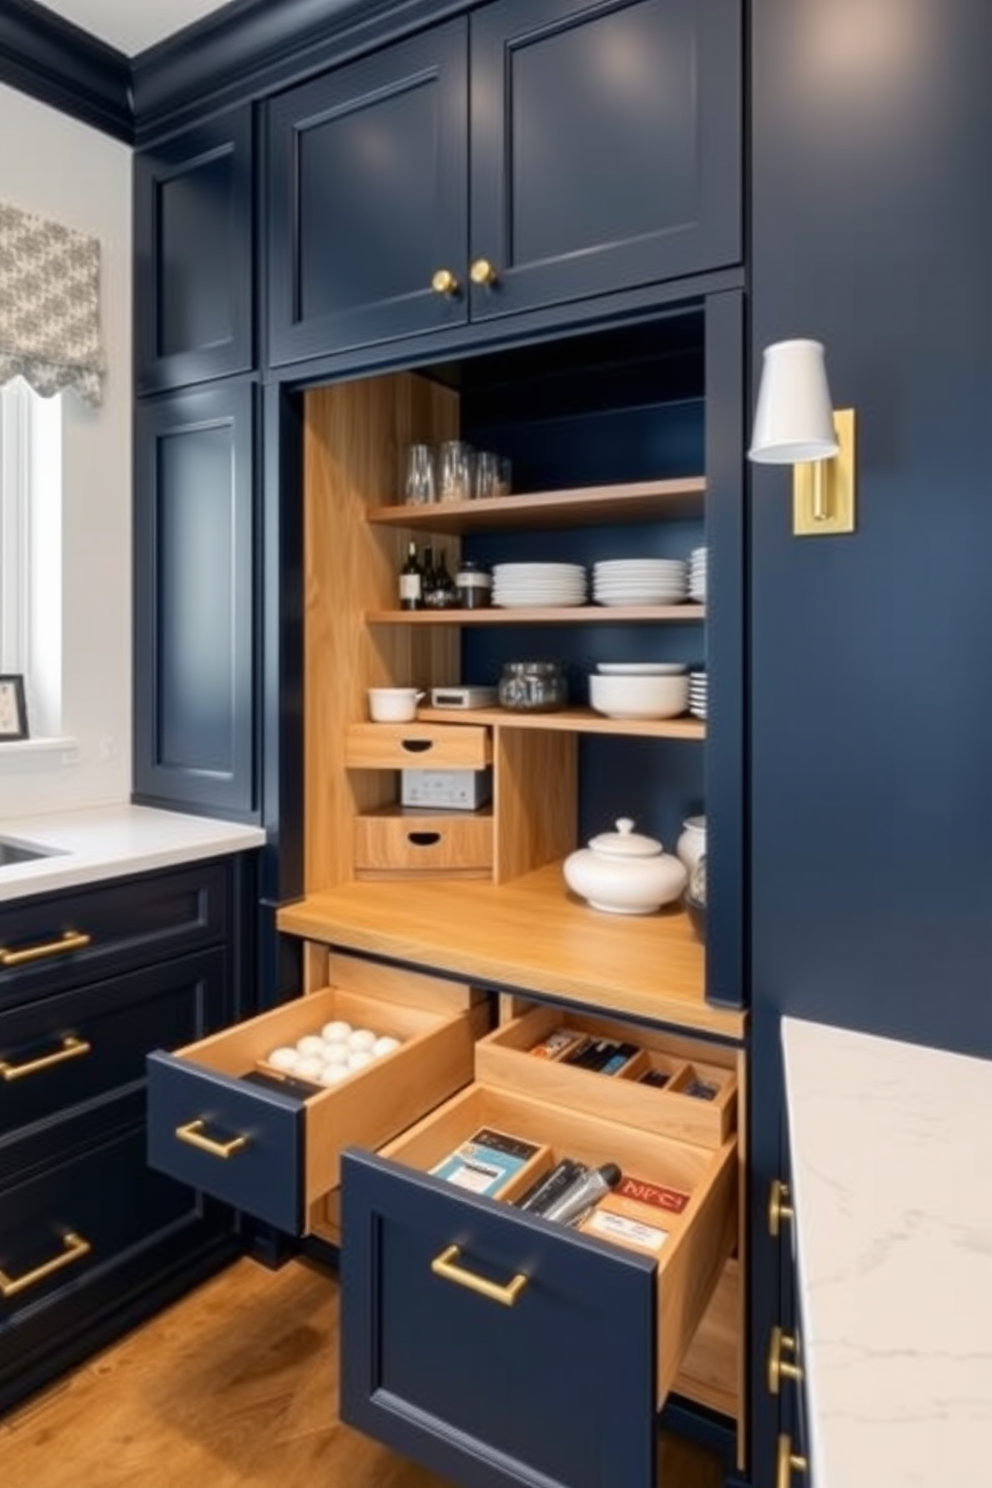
(570, 720)
(530, 935)
(643, 501)
(680, 614)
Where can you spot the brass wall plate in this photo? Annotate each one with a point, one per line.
(838, 476)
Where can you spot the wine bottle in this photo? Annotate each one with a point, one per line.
(428, 575)
(411, 582)
(445, 593)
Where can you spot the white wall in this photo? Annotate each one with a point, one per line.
(53, 165)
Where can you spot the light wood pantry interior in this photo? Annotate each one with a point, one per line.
(608, 442)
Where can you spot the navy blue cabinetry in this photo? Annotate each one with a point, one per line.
(194, 545)
(541, 153)
(194, 254)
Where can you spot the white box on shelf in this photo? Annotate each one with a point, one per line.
(462, 790)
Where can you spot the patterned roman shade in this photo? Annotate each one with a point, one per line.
(49, 306)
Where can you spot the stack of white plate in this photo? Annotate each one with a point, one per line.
(639, 581)
(697, 575)
(697, 694)
(538, 585)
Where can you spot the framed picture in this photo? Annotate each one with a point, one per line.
(13, 709)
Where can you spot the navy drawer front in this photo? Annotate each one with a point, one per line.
(84, 1046)
(73, 1219)
(128, 923)
(264, 1176)
(558, 1389)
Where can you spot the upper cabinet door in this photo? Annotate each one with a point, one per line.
(606, 146)
(369, 183)
(193, 254)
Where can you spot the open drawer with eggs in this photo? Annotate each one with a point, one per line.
(258, 1114)
(525, 1271)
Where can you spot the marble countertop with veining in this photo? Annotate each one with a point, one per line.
(891, 1171)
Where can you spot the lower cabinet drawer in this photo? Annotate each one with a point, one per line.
(499, 1348)
(221, 1118)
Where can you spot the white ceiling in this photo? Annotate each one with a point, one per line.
(132, 25)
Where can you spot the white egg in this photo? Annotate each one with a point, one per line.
(311, 1045)
(336, 1053)
(332, 1073)
(336, 1032)
(385, 1045)
(362, 1038)
(309, 1068)
(359, 1059)
(283, 1058)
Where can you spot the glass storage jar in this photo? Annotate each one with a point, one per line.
(533, 686)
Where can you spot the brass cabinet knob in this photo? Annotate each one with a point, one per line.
(779, 1207)
(482, 272)
(778, 1368)
(788, 1462)
(445, 282)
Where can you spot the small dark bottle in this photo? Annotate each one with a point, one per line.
(444, 595)
(411, 582)
(428, 575)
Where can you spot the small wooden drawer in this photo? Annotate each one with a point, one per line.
(418, 746)
(504, 1059)
(557, 1346)
(411, 841)
(221, 1121)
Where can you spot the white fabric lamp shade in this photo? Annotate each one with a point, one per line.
(794, 418)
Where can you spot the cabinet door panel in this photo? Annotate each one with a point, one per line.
(193, 681)
(369, 186)
(605, 146)
(193, 255)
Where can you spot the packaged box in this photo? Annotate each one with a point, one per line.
(493, 1162)
(634, 1214)
(459, 790)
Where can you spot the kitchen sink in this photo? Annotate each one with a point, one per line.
(12, 851)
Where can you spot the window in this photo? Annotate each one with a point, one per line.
(31, 548)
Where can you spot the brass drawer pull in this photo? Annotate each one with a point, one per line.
(75, 1248)
(444, 1266)
(779, 1207)
(72, 1048)
(778, 1369)
(193, 1134)
(788, 1462)
(72, 940)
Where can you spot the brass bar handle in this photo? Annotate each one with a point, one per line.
(72, 1048)
(788, 1462)
(71, 940)
(778, 1368)
(75, 1248)
(444, 1266)
(194, 1136)
(444, 282)
(779, 1207)
(482, 272)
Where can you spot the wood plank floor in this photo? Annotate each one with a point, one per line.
(235, 1385)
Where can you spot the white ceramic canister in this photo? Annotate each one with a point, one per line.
(692, 841)
(624, 872)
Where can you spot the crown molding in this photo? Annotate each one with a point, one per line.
(59, 64)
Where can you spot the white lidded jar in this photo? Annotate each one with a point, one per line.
(623, 872)
(692, 841)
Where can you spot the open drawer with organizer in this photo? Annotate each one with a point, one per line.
(224, 1120)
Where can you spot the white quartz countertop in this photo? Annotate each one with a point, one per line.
(110, 841)
(891, 1149)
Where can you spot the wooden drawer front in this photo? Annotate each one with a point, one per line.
(87, 1045)
(418, 841)
(559, 1386)
(503, 1059)
(418, 746)
(271, 1153)
(126, 923)
(67, 1225)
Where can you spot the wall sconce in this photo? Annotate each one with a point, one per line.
(795, 424)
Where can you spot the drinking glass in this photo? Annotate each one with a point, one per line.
(421, 475)
(456, 471)
(486, 475)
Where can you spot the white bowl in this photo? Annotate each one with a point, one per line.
(638, 697)
(394, 704)
(642, 668)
